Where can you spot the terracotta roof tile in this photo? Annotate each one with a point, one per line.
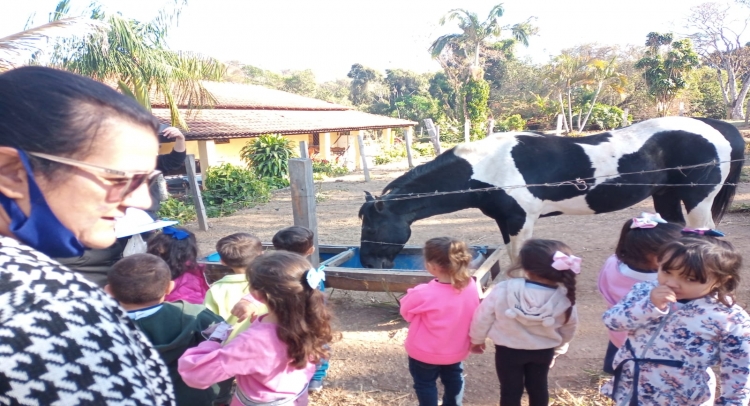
(242, 96)
(227, 123)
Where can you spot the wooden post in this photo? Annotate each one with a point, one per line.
(682, 109)
(625, 112)
(467, 131)
(303, 153)
(490, 127)
(558, 131)
(195, 191)
(407, 140)
(303, 200)
(436, 141)
(361, 144)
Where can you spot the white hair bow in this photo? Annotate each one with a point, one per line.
(563, 262)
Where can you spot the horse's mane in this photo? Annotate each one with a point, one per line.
(444, 159)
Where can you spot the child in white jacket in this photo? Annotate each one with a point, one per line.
(531, 319)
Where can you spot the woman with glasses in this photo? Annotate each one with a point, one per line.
(74, 155)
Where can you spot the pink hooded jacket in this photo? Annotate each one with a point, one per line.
(190, 286)
(615, 282)
(256, 357)
(440, 317)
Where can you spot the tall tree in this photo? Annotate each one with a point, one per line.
(717, 39)
(460, 56)
(362, 77)
(475, 33)
(666, 64)
(135, 55)
(602, 73)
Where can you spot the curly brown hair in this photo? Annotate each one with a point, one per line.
(180, 255)
(702, 259)
(304, 322)
(536, 258)
(452, 256)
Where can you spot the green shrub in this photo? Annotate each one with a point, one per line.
(177, 209)
(511, 123)
(268, 155)
(228, 188)
(423, 148)
(328, 168)
(605, 117)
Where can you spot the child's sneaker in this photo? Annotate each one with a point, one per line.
(315, 386)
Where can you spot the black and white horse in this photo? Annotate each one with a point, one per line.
(620, 168)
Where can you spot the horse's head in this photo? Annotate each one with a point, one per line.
(384, 233)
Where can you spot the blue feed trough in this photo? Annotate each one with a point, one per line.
(345, 271)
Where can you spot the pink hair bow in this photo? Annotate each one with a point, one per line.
(563, 262)
(647, 220)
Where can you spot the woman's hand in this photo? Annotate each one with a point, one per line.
(177, 136)
(662, 296)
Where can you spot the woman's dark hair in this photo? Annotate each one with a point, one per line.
(704, 258)
(60, 113)
(304, 323)
(294, 239)
(637, 247)
(452, 256)
(536, 258)
(180, 255)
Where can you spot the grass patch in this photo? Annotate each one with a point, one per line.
(587, 396)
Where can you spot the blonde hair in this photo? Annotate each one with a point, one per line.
(453, 258)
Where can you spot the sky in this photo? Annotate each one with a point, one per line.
(328, 36)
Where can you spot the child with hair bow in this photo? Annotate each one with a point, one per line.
(634, 261)
(179, 249)
(531, 317)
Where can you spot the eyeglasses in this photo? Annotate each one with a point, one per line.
(128, 183)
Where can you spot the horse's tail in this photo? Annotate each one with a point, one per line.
(723, 199)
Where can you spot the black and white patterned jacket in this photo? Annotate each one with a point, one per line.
(63, 341)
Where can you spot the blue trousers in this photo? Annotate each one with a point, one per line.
(425, 382)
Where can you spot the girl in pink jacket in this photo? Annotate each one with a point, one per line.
(634, 261)
(274, 359)
(178, 248)
(440, 314)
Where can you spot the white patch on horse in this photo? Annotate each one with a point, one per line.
(492, 163)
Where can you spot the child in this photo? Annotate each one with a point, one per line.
(634, 261)
(530, 318)
(178, 248)
(300, 240)
(682, 325)
(140, 282)
(440, 314)
(275, 358)
(294, 239)
(236, 251)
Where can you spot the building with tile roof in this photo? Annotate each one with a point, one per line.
(216, 134)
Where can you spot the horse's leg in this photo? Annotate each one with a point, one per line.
(669, 206)
(700, 215)
(526, 226)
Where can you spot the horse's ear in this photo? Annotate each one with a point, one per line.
(369, 197)
(379, 205)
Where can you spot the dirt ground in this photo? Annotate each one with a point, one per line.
(369, 365)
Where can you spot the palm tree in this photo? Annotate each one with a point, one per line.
(17, 49)
(603, 73)
(567, 72)
(475, 33)
(135, 56)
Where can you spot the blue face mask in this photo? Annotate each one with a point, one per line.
(41, 230)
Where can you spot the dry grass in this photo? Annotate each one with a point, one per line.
(339, 397)
(588, 395)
